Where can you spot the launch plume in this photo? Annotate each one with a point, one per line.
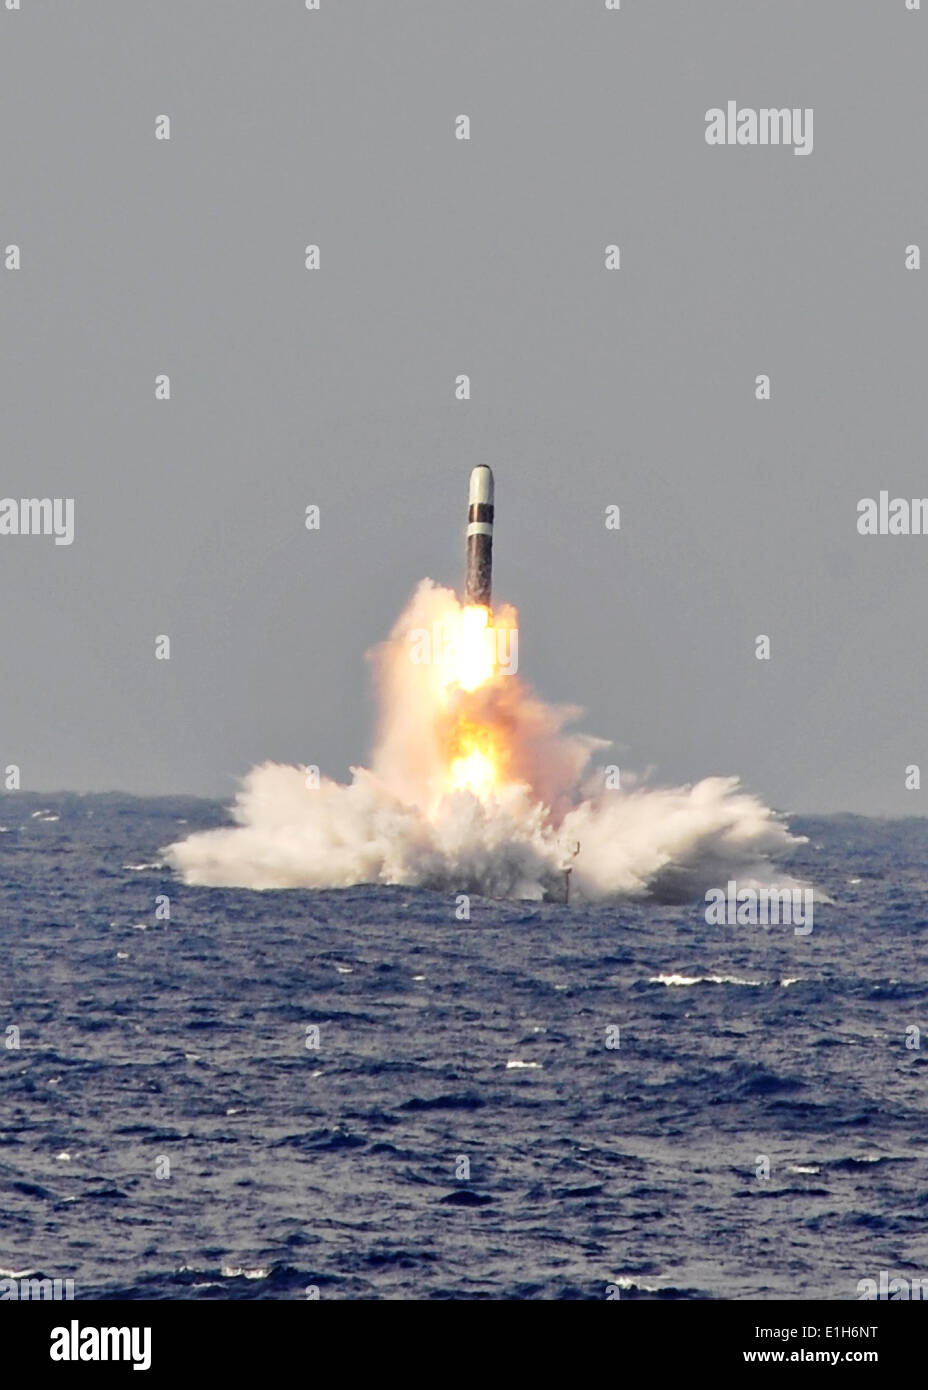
(476, 785)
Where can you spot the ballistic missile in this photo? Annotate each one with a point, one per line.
(477, 588)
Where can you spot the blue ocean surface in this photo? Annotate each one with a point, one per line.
(462, 1129)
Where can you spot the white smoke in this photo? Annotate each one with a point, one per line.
(400, 823)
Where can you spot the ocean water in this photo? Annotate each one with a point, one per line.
(341, 1168)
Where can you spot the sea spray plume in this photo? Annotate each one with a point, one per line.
(672, 843)
(476, 787)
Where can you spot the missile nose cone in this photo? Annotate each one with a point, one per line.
(481, 486)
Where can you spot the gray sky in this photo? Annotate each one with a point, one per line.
(438, 257)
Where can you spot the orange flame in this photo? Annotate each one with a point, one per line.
(473, 758)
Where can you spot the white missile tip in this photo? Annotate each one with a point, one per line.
(481, 485)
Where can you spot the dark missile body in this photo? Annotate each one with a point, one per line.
(479, 584)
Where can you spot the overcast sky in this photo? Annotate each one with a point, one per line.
(439, 257)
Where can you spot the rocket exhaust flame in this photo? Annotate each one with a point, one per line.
(476, 787)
